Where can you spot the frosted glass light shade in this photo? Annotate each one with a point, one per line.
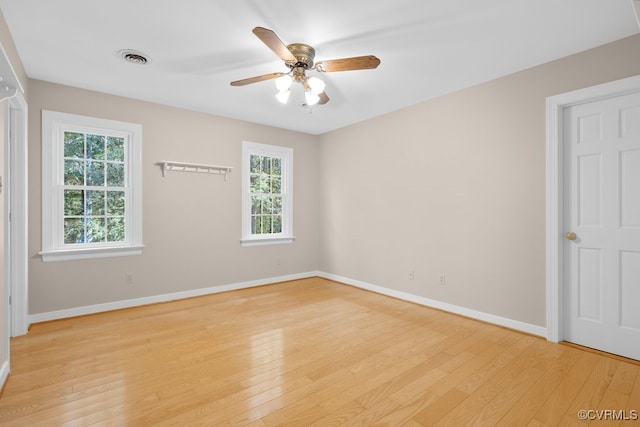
(283, 83)
(283, 96)
(311, 98)
(317, 86)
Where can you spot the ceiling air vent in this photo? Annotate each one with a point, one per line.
(134, 56)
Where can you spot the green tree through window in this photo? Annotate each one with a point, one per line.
(94, 188)
(91, 187)
(266, 195)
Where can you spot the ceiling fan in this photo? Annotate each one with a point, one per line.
(299, 58)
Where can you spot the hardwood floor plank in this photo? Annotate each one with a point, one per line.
(556, 406)
(434, 412)
(522, 412)
(307, 352)
(492, 399)
(593, 390)
(405, 411)
(339, 416)
(370, 416)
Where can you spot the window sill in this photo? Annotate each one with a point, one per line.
(89, 253)
(267, 241)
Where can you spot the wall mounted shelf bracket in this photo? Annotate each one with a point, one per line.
(193, 167)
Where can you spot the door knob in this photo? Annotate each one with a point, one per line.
(571, 235)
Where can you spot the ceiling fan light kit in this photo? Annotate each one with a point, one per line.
(299, 57)
(284, 83)
(283, 96)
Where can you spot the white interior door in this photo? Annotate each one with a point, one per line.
(602, 222)
(4, 288)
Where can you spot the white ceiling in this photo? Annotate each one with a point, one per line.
(427, 48)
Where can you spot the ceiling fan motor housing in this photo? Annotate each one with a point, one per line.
(304, 55)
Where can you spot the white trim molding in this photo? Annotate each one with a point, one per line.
(54, 126)
(451, 308)
(4, 373)
(16, 115)
(117, 305)
(285, 154)
(555, 109)
(462, 311)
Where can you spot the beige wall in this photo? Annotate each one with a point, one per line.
(192, 221)
(455, 185)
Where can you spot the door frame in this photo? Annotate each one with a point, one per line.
(16, 199)
(16, 112)
(555, 189)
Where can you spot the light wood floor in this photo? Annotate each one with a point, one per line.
(304, 353)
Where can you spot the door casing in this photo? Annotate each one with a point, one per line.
(555, 187)
(16, 113)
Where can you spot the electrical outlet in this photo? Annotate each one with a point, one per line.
(443, 279)
(412, 275)
(128, 278)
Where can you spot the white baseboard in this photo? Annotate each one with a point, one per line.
(117, 305)
(4, 373)
(473, 314)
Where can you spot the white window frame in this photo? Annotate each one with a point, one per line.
(53, 247)
(286, 156)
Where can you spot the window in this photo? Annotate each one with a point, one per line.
(267, 194)
(91, 187)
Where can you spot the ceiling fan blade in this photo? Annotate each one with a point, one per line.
(324, 98)
(348, 64)
(274, 43)
(257, 79)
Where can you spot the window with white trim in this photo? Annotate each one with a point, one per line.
(91, 187)
(267, 197)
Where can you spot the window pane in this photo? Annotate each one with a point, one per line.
(264, 185)
(276, 166)
(115, 229)
(73, 202)
(276, 205)
(266, 206)
(115, 174)
(256, 224)
(266, 224)
(73, 230)
(255, 164)
(115, 149)
(95, 173)
(95, 147)
(115, 203)
(95, 202)
(266, 165)
(276, 185)
(267, 183)
(277, 224)
(73, 172)
(91, 187)
(95, 230)
(256, 203)
(74, 145)
(255, 183)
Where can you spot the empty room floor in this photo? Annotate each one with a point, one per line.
(304, 353)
